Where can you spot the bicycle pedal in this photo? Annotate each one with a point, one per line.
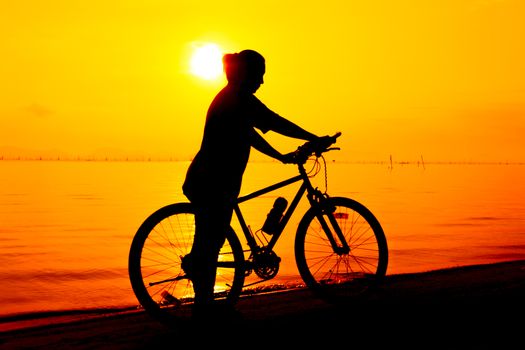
(170, 299)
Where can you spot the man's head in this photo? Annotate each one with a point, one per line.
(245, 69)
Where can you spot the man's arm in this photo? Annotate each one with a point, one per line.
(266, 119)
(260, 144)
(287, 128)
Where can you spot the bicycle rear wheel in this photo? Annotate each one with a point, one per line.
(158, 281)
(341, 274)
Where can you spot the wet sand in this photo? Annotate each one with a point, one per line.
(479, 306)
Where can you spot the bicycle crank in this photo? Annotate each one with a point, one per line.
(266, 264)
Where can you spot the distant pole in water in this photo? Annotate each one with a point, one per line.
(391, 163)
(423, 162)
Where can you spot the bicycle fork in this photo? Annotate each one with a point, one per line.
(323, 209)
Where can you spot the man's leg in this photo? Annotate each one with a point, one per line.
(212, 222)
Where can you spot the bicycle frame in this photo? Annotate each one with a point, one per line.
(313, 196)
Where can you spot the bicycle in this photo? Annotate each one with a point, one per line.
(340, 247)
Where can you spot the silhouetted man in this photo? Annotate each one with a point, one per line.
(213, 180)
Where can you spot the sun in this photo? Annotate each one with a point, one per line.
(206, 62)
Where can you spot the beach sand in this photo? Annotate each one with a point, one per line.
(479, 306)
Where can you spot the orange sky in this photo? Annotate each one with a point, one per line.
(442, 79)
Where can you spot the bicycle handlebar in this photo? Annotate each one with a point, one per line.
(317, 148)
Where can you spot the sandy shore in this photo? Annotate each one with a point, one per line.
(478, 306)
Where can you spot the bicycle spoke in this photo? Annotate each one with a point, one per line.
(320, 265)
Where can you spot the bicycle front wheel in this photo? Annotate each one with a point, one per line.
(158, 281)
(326, 269)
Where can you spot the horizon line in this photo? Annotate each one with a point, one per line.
(389, 162)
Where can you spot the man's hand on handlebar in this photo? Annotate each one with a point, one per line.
(316, 146)
(323, 142)
(288, 158)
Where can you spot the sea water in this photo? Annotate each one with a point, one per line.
(66, 226)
